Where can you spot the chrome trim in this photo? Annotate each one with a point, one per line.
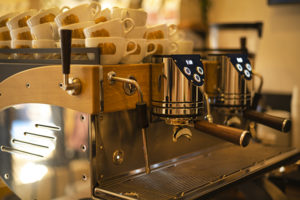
(98, 192)
(283, 125)
(243, 137)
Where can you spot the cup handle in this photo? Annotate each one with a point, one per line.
(130, 23)
(53, 30)
(124, 14)
(174, 47)
(153, 51)
(131, 51)
(96, 8)
(64, 8)
(172, 29)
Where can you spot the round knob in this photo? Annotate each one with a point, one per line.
(187, 71)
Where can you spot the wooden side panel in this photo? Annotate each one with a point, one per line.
(115, 98)
(41, 85)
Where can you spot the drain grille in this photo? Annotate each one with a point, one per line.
(177, 180)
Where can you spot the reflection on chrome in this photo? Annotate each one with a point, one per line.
(32, 172)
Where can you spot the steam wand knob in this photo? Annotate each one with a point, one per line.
(73, 87)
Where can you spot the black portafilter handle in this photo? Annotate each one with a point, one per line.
(255, 101)
(66, 40)
(142, 117)
(279, 123)
(234, 135)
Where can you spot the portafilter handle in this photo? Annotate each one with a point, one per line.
(279, 123)
(230, 134)
(74, 86)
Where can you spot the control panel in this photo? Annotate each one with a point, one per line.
(241, 64)
(191, 66)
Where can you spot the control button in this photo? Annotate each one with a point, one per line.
(200, 70)
(248, 66)
(197, 78)
(247, 73)
(187, 71)
(239, 59)
(239, 66)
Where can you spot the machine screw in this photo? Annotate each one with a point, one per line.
(6, 176)
(84, 177)
(129, 89)
(118, 157)
(83, 148)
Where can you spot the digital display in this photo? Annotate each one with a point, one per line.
(189, 62)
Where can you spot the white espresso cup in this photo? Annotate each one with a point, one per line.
(78, 29)
(161, 31)
(21, 44)
(184, 47)
(21, 34)
(137, 32)
(113, 49)
(43, 44)
(140, 52)
(7, 17)
(4, 34)
(5, 45)
(44, 16)
(20, 20)
(139, 16)
(81, 13)
(111, 28)
(46, 31)
(164, 46)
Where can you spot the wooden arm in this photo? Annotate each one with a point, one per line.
(42, 85)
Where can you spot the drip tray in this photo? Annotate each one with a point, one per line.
(199, 175)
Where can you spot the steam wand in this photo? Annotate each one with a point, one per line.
(73, 87)
(141, 108)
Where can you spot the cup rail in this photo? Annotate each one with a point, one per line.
(31, 51)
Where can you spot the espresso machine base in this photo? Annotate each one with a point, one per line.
(200, 173)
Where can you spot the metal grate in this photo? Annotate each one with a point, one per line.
(177, 180)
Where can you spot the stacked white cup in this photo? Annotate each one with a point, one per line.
(120, 37)
(20, 32)
(160, 35)
(44, 30)
(184, 46)
(5, 39)
(76, 19)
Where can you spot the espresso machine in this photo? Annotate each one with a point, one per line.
(230, 87)
(132, 131)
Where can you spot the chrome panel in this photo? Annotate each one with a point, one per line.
(118, 132)
(173, 95)
(45, 151)
(225, 86)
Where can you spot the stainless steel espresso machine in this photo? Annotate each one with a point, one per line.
(140, 131)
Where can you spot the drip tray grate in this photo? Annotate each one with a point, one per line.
(189, 176)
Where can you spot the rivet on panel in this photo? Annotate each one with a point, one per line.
(83, 148)
(84, 177)
(6, 176)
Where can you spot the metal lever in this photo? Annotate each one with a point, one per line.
(141, 108)
(74, 86)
